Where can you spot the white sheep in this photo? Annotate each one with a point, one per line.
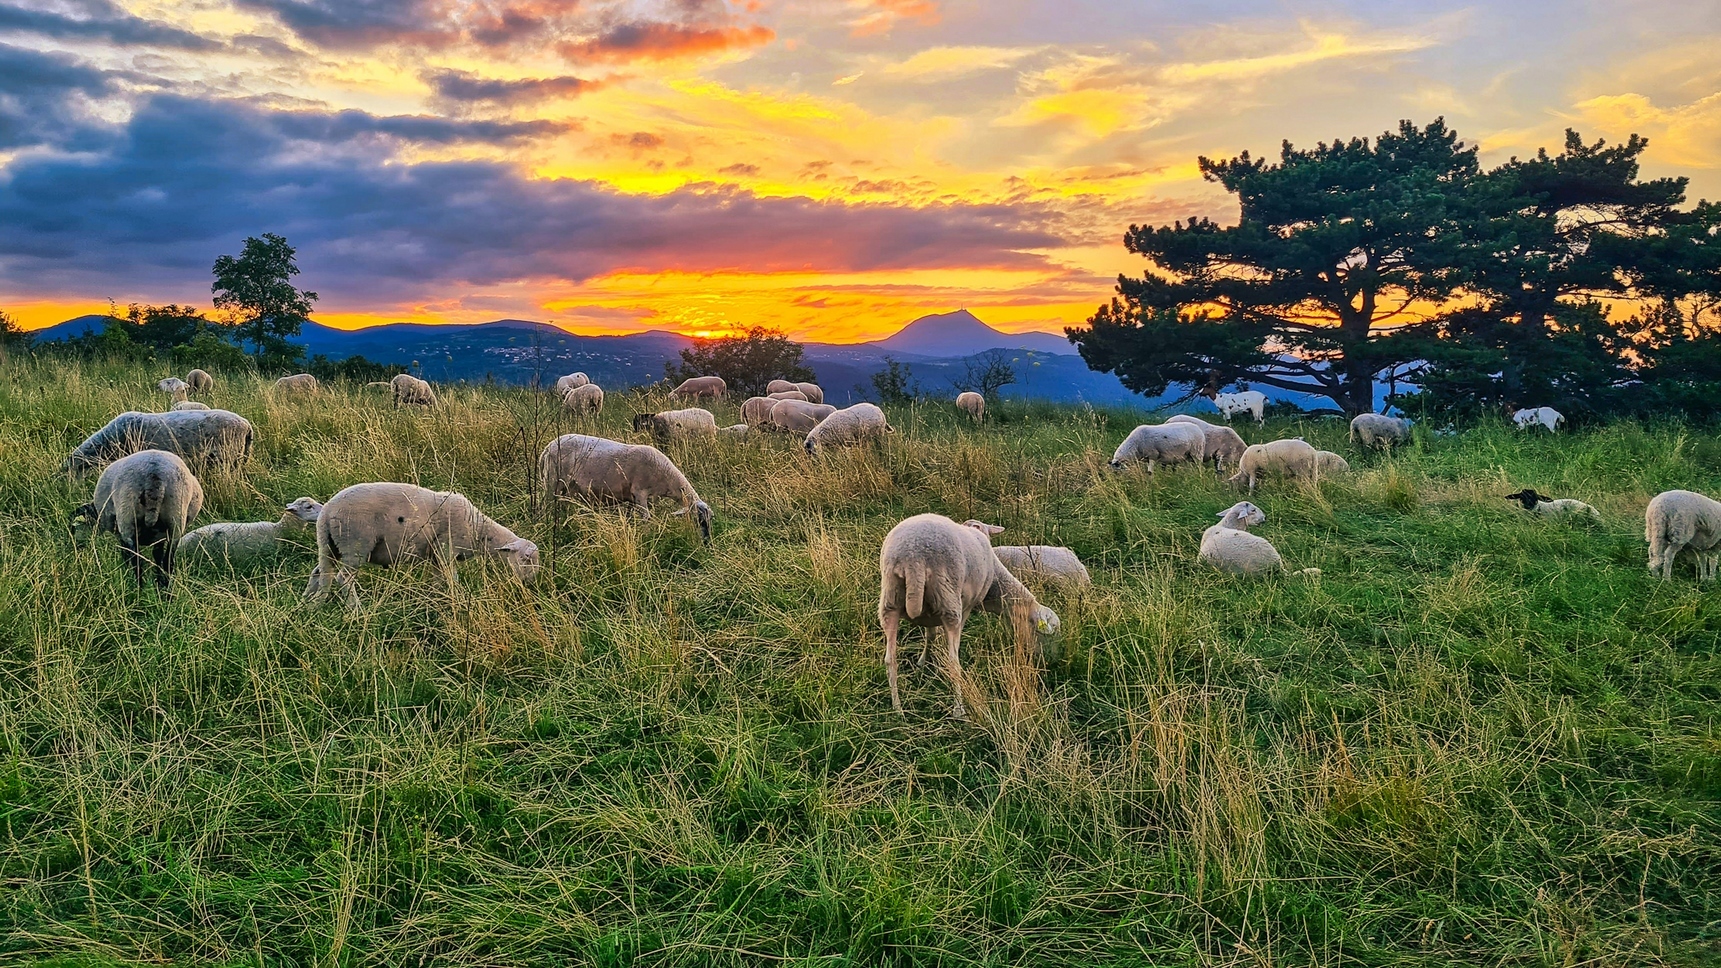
(174, 387)
(700, 387)
(1539, 416)
(1223, 445)
(1252, 402)
(200, 381)
(671, 424)
(1379, 430)
(789, 395)
(1553, 507)
(797, 416)
(146, 499)
(297, 383)
(757, 410)
(609, 471)
(1291, 458)
(778, 386)
(385, 523)
(1228, 545)
(583, 399)
(1683, 523)
(735, 431)
(189, 405)
(239, 541)
(1328, 464)
(1055, 564)
(410, 391)
(972, 404)
(1170, 443)
(202, 437)
(852, 425)
(572, 380)
(934, 572)
(812, 391)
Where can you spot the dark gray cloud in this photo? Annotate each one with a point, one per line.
(356, 24)
(96, 19)
(460, 87)
(42, 95)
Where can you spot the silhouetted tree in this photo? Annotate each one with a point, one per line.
(893, 384)
(257, 288)
(986, 373)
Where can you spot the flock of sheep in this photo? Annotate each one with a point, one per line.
(934, 572)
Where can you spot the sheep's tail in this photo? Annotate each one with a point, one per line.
(151, 500)
(914, 581)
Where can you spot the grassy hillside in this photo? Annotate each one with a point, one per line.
(1478, 738)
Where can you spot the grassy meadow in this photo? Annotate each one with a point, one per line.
(1479, 737)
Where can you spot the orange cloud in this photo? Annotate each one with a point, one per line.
(879, 16)
(664, 41)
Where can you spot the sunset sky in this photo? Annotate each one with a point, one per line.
(832, 168)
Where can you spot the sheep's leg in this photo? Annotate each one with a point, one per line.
(892, 621)
(343, 580)
(953, 666)
(318, 585)
(131, 555)
(163, 554)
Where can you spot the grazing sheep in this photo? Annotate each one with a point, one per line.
(201, 437)
(738, 431)
(853, 425)
(934, 572)
(789, 395)
(146, 499)
(249, 540)
(700, 387)
(1252, 402)
(1228, 545)
(670, 424)
(812, 391)
(569, 382)
(1553, 507)
(1292, 458)
(297, 383)
(1223, 445)
(583, 399)
(972, 404)
(1328, 463)
(386, 524)
(797, 416)
(632, 475)
(200, 381)
(780, 386)
(757, 410)
(174, 387)
(1379, 430)
(1683, 522)
(189, 405)
(410, 391)
(1539, 416)
(1170, 443)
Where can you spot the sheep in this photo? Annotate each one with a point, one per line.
(189, 405)
(1328, 463)
(1228, 545)
(1292, 458)
(201, 437)
(569, 382)
(757, 410)
(853, 425)
(595, 468)
(736, 431)
(174, 387)
(411, 391)
(1252, 402)
(1683, 522)
(1379, 430)
(781, 386)
(797, 416)
(583, 399)
(1047, 561)
(699, 387)
(1544, 416)
(1553, 507)
(297, 383)
(1223, 444)
(789, 395)
(669, 424)
(200, 381)
(1155, 443)
(935, 572)
(972, 404)
(385, 524)
(146, 499)
(245, 541)
(812, 391)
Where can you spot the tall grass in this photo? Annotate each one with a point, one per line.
(1477, 738)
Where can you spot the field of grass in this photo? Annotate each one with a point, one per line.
(1479, 737)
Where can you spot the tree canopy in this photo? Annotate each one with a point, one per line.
(257, 289)
(747, 363)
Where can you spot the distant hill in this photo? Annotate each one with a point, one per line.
(961, 333)
(73, 328)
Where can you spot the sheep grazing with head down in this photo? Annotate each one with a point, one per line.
(1223, 445)
(934, 572)
(1290, 458)
(677, 424)
(845, 428)
(587, 398)
(146, 499)
(1169, 443)
(700, 387)
(297, 383)
(1553, 507)
(1684, 523)
(796, 416)
(972, 404)
(1545, 417)
(200, 381)
(410, 391)
(386, 523)
(241, 541)
(174, 387)
(1228, 545)
(609, 471)
(1328, 464)
(757, 410)
(1371, 430)
(203, 438)
(572, 380)
(812, 391)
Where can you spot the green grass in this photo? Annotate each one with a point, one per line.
(1479, 737)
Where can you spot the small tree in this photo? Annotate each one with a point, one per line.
(257, 289)
(986, 373)
(893, 384)
(747, 363)
(162, 327)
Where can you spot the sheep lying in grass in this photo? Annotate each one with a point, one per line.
(189, 405)
(1328, 464)
(587, 398)
(241, 541)
(700, 387)
(972, 404)
(1291, 458)
(1546, 417)
(1228, 545)
(386, 524)
(1370, 430)
(934, 572)
(1171, 443)
(203, 438)
(671, 424)
(609, 471)
(174, 387)
(1055, 564)
(735, 431)
(1553, 507)
(1683, 523)
(797, 416)
(853, 425)
(572, 380)
(297, 383)
(1223, 445)
(200, 381)
(146, 499)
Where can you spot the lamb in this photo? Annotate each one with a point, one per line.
(972, 404)
(669, 424)
(297, 383)
(789, 395)
(174, 387)
(594, 468)
(1292, 458)
(1328, 463)
(411, 391)
(200, 381)
(569, 382)
(1170, 443)
(1553, 507)
(249, 540)
(812, 391)
(1228, 545)
(797, 416)
(1379, 430)
(935, 572)
(146, 499)
(1252, 402)
(757, 410)
(189, 405)
(853, 425)
(1683, 522)
(1545, 416)
(386, 524)
(583, 399)
(1223, 444)
(736, 431)
(201, 437)
(700, 387)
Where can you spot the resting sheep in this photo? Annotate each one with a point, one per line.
(1291, 458)
(386, 524)
(1371, 430)
(1252, 402)
(189, 405)
(797, 416)
(1055, 564)
(237, 542)
(201, 437)
(1683, 523)
(1228, 545)
(1539, 416)
(853, 425)
(972, 404)
(933, 572)
(583, 399)
(737, 431)
(1170, 443)
(200, 381)
(700, 387)
(1328, 463)
(146, 499)
(670, 424)
(297, 383)
(174, 387)
(572, 380)
(1223, 444)
(598, 469)
(1553, 507)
